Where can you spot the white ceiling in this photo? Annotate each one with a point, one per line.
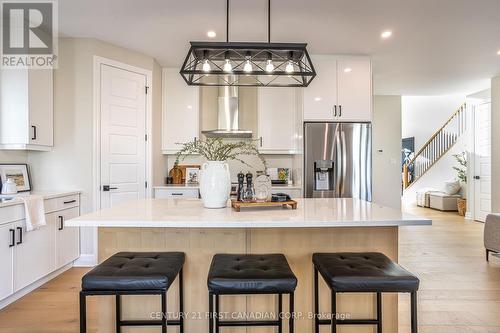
(438, 46)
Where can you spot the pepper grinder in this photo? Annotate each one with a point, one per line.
(249, 190)
(241, 180)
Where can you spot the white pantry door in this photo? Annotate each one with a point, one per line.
(123, 130)
(482, 158)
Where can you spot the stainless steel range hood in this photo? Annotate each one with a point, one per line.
(228, 116)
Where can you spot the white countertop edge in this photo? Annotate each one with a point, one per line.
(250, 224)
(46, 196)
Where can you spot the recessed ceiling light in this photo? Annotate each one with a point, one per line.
(347, 69)
(189, 107)
(498, 52)
(317, 99)
(386, 34)
(211, 34)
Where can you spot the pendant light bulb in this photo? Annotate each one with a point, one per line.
(248, 66)
(227, 66)
(269, 66)
(289, 67)
(206, 66)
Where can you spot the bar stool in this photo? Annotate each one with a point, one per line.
(135, 273)
(371, 272)
(250, 274)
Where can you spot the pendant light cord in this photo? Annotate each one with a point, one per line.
(268, 21)
(227, 21)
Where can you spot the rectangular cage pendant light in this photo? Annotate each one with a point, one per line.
(248, 64)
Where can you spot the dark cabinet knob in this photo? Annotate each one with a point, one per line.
(477, 177)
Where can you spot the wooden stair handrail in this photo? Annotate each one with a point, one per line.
(406, 174)
(461, 108)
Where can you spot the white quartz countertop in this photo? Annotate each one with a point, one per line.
(16, 198)
(189, 213)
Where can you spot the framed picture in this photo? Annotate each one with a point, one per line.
(19, 173)
(192, 176)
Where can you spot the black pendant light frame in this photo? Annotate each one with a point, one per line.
(213, 55)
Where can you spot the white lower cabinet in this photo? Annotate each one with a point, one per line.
(34, 253)
(27, 257)
(67, 239)
(7, 237)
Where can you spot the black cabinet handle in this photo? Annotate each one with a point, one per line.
(12, 237)
(68, 202)
(20, 235)
(335, 110)
(34, 132)
(477, 177)
(61, 223)
(177, 194)
(340, 110)
(260, 139)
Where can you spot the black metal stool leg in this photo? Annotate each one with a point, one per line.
(334, 312)
(379, 312)
(118, 311)
(316, 302)
(292, 314)
(83, 313)
(414, 324)
(164, 312)
(181, 302)
(217, 313)
(280, 311)
(210, 313)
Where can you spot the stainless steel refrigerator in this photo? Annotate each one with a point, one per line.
(338, 160)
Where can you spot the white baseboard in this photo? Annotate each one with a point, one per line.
(468, 216)
(17, 295)
(86, 260)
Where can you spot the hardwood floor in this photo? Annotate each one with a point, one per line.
(459, 293)
(459, 290)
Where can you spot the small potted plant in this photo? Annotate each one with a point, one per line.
(215, 180)
(461, 170)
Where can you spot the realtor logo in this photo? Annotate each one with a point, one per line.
(29, 37)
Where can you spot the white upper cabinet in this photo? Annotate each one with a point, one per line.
(341, 91)
(277, 116)
(320, 97)
(26, 110)
(180, 111)
(354, 88)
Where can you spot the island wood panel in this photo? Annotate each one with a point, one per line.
(200, 245)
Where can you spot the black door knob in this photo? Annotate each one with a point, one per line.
(106, 188)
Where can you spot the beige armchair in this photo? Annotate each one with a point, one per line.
(492, 234)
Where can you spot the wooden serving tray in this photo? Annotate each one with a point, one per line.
(237, 205)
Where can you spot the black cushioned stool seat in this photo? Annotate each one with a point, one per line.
(247, 274)
(240, 274)
(364, 272)
(135, 273)
(351, 272)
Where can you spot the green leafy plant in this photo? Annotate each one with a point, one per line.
(216, 149)
(462, 168)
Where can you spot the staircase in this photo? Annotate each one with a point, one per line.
(436, 147)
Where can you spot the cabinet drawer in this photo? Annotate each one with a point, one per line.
(161, 193)
(55, 204)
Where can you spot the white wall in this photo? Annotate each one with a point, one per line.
(13, 156)
(495, 144)
(69, 165)
(387, 163)
(422, 116)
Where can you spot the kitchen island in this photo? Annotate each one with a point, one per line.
(317, 225)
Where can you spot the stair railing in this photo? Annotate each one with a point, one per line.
(438, 145)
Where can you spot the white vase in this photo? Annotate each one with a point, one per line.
(215, 184)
